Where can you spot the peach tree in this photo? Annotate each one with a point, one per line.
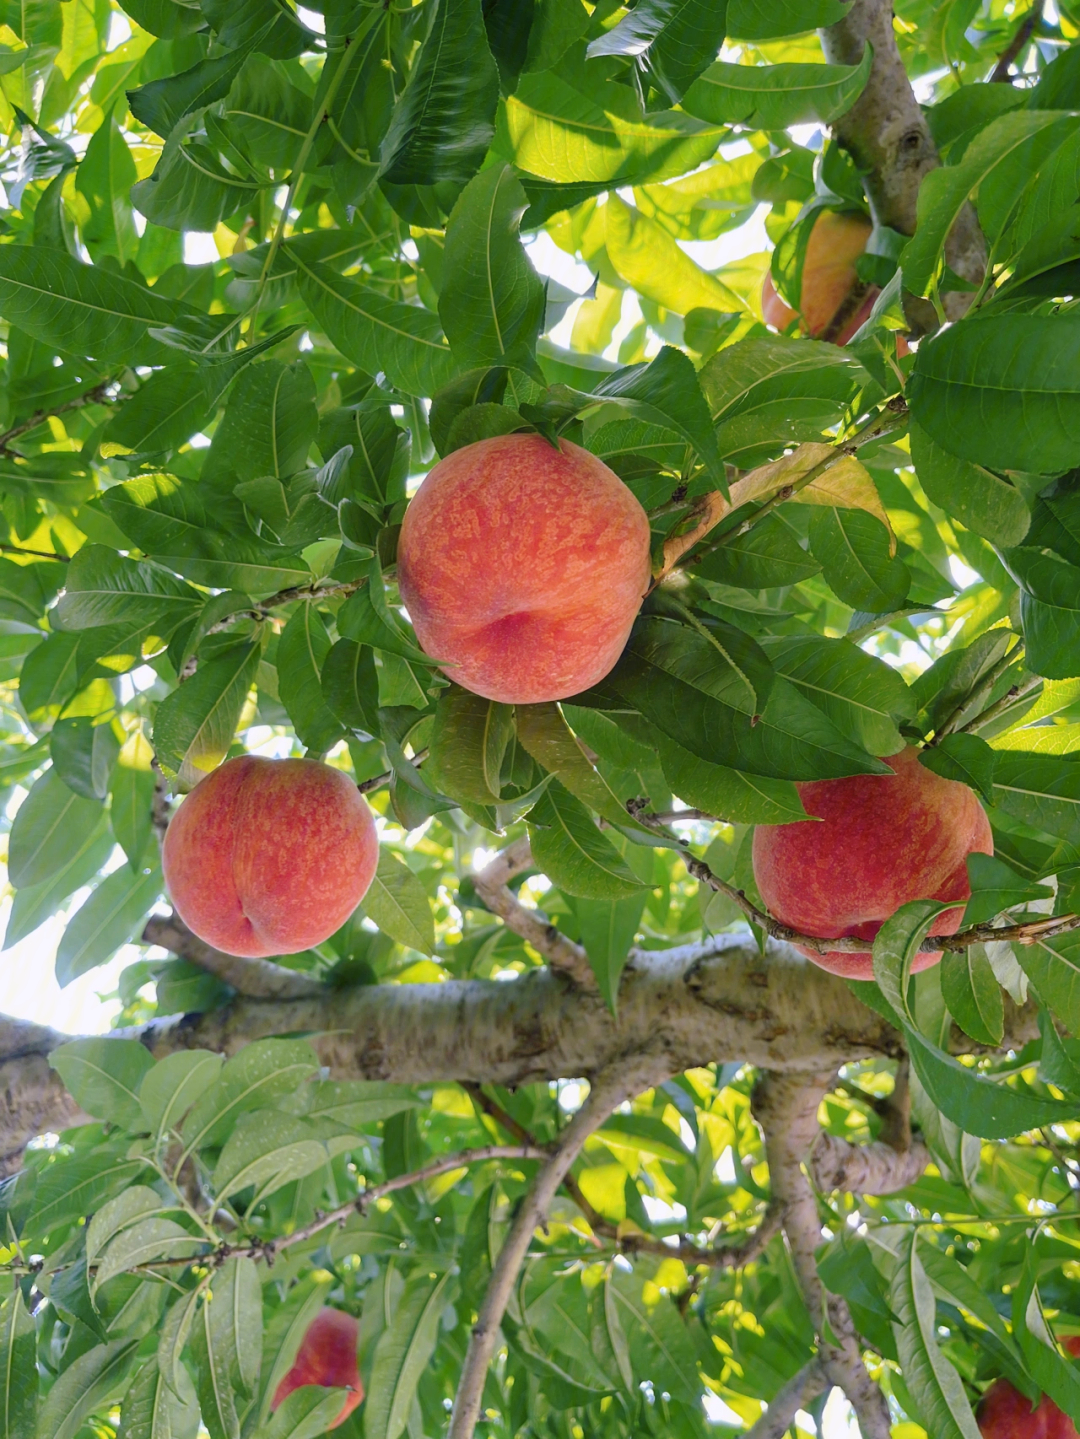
(565, 1115)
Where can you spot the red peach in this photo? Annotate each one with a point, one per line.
(270, 856)
(1004, 1413)
(327, 1356)
(882, 840)
(523, 567)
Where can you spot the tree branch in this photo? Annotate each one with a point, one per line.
(255, 978)
(786, 1108)
(607, 1093)
(800, 1390)
(1021, 37)
(564, 956)
(887, 135)
(96, 396)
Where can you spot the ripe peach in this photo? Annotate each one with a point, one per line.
(327, 1356)
(882, 840)
(836, 242)
(270, 856)
(523, 567)
(1004, 1413)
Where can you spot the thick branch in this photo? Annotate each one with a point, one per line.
(865, 1168)
(887, 136)
(685, 1007)
(561, 953)
(800, 1390)
(609, 1091)
(786, 1108)
(255, 978)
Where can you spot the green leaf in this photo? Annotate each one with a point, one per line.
(112, 915)
(268, 425)
(573, 853)
(986, 1107)
(376, 333)
(492, 300)
(995, 886)
(267, 1149)
(714, 657)
(145, 1242)
(1051, 1371)
(933, 1383)
(52, 827)
(966, 758)
(468, 745)
(169, 407)
(403, 1352)
(545, 735)
(365, 618)
(972, 994)
(306, 1413)
(398, 904)
(86, 309)
(96, 1379)
(350, 685)
(864, 697)
(767, 556)
(132, 797)
(770, 19)
(444, 120)
(672, 40)
(792, 739)
(104, 1075)
(942, 197)
(1041, 790)
(978, 498)
(555, 126)
(104, 180)
(18, 1369)
(83, 755)
(356, 1102)
(1053, 966)
(852, 547)
(173, 1085)
(1001, 391)
(263, 1072)
(1049, 609)
(195, 725)
(161, 104)
(301, 654)
(607, 928)
(771, 97)
(659, 1342)
(104, 588)
(34, 904)
(152, 1411)
(79, 1186)
(728, 793)
(896, 948)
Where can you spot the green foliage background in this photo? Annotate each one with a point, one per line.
(202, 474)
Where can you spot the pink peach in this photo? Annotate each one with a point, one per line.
(523, 566)
(327, 1356)
(270, 856)
(880, 841)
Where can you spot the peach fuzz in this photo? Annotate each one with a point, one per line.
(881, 841)
(270, 856)
(523, 567)
(1005, 1413)
(327, 1356)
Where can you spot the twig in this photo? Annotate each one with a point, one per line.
(98, 395)
(786, 1108)
(800, 1390)
(366, 786)
(491, 885)
(256, 978)
(265, 608)
(1001, 706)
(33, 554)
(1027, 932)
(980, 692)
(1000, 72)
(605, 1096)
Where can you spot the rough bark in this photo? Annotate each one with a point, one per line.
(683, 1007)
(886, 134)
(255, 978)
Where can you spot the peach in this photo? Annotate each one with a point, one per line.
(880, 841)
(327, 1356)
(836, 242)
(523, 567)
(1005, 1413)
(270, 856)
